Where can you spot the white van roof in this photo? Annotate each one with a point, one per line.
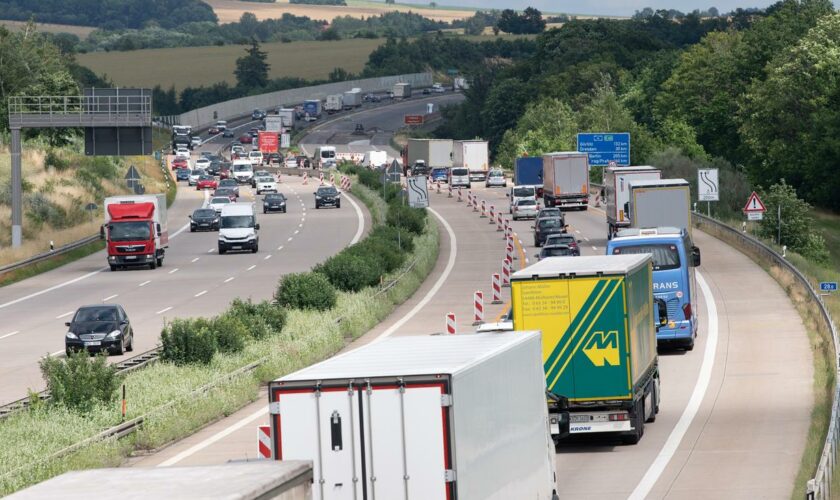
(237, 209)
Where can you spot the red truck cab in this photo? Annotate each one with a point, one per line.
(135, 231)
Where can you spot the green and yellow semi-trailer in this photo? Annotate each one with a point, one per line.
(598, 319)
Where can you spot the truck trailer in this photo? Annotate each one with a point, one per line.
(436, 153)
(472, 155)
(335, 103)
(566, 180)
(402, 90)
(352, 98)
(596, 314)
(528, 171)
(428, 417)
(617, 193)
(660, 203)
(312, 109)
(135, 230)
(287, 117)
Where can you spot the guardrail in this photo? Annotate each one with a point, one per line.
(819, 487)
(48, 255)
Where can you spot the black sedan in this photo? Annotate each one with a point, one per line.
(204, 219)
(227, 133)
(327, 196)
(99, 328)
(545, 227)
(274, 202)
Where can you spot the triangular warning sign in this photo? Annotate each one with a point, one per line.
(132, 174)
(754, 204)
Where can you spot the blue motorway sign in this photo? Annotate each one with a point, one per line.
(828, 286)
(606, 147)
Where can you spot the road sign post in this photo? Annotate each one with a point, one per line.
(418, 191)
(708, 187)
(604, 148)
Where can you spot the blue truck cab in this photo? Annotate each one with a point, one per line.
(674, 260)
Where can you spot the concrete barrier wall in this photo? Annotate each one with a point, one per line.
(228, 110)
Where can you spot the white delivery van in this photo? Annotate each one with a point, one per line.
(427, 417)
(238, 228)
(521, 193)
(459, 177)
(243, 170)
(324, 157)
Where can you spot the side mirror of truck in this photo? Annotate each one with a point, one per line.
(662, 312)
(695, 256)
(257, 227)
(159, 231)
(102, 232)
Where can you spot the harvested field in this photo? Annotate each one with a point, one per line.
(230, 11)
(80, 31)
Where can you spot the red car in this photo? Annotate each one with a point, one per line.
(230, 193)
(213, 130)
(180, 163)
(246, 139)
(206, 182)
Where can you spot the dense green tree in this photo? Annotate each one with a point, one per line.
(791, 120)
(503, 106)
(112, 14)
(796, 229)
(529, 21)
(546, 125)
(252, 69)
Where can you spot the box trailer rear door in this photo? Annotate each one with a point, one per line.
(386, 440)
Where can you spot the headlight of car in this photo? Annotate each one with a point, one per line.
(114, 334)
(71, 335)
(317, 197)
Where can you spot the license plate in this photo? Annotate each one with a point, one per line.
(93, 343)
(204, 225)
(130, 257)
(237, 247)
(576, 419)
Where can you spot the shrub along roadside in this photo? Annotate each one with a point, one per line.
(307, 336)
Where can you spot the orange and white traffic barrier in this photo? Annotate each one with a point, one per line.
(279, 179)
(506, 272)
(474, 203)
(264, 442)
(509, 250)
(478, 307)
(450, 323)
(305, 178)
(492, 214)
(438, 186)
(483, 209)
(460, 200)
(499, 227)
(449, 188)
(321, 177)
(496, 286)
(332, 179)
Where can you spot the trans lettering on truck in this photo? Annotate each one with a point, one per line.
(671, 285)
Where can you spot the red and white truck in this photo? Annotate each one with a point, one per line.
(566, 180)
(135, 230)
(617, 193)
(427, 417)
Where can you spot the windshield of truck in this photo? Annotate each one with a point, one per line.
(665, 256)
(242, 168)
(130, 231)
(237, 221)
(460, 172)
(327, 153)
(523, 192)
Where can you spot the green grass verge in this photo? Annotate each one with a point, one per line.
(166, 394)
(50, 264)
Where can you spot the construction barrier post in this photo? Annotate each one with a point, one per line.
(264, 442)
(492, 214)
(506, 272)
(496, 286)
(450, 323)
(499, 222)
(460, 200)
(450, 191)
(305, 178)
(438, 187)
(483, 209)
(478, 307)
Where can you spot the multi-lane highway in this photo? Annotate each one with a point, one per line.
(735, 411)
(194, 281)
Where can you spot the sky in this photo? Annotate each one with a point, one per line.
(606, 7)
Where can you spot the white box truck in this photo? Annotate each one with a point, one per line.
(660, 203)
(352, 98)
(335, 103)
(425, 417)
(287, 117)
(617, 193)
(436, 153)
(472, 155)
(375, 159)
(402, 90)
(566, 180)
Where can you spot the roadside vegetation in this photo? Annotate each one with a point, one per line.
(210, 367)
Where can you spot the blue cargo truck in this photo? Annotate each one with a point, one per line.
(528, 171)
(312, 109)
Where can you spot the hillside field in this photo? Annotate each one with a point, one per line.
(80, 31)
(230, 11)
(195, 66)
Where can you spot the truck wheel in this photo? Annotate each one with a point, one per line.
(113, 267)
(221, 251)
(638, 423)
(689, 346)
(160, 261)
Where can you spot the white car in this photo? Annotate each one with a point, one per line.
(291, 162)
(256, 158)
(182, 152)
(525, 209)
(202, 163)
(217, 202)
(495, 178)
(195, 141)
(438, 88)
(266, 184)
(221, 125)
(194, 175)
(243, 171)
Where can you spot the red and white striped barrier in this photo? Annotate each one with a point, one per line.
(496, 286)
(332, 179)
(483, 209)
(478, 307)
(449, 188)
(279, 179)
(264, 442)
(492, 214)
(305, 178)
(450, 323)
(506, 272)
(321, 177)
(460, 200)
(499, 226)
(438, 186)
(474, 203)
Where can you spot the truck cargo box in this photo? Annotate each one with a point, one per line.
(437, 153)
(566, 179)
(660, 203)
(472, 155)
(528, 171)
(426, 417)
(617, 193)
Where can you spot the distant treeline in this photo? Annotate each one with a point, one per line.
(109, 14)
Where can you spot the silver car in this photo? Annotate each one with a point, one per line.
(525, 209)
(495, 178)
(194, 175)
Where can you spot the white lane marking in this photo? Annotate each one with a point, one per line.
(50, 289)
(195, 259)
(594, 248)
(215, 437)
(577, 231)
(672, 443)
(585, 238)
(199, 294)
(450, 264)
(181, 230)
(106, 299)
(361, 216)
(300, 225)
(9, 334)
(280, 247)
(297, 231)
(267, 257)
(145, 283)
(253, 266)
(229, 279)
(173, 271)
(290, 238)
(211, 250)
(68, 313)
(164, 310)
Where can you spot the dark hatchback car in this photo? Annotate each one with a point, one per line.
(274, 202)
(545, 227)
(204, 219)
(555, 251)
(224, 191)
(327, 196)
(182, 174)
(564, 239)
(99, 328)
